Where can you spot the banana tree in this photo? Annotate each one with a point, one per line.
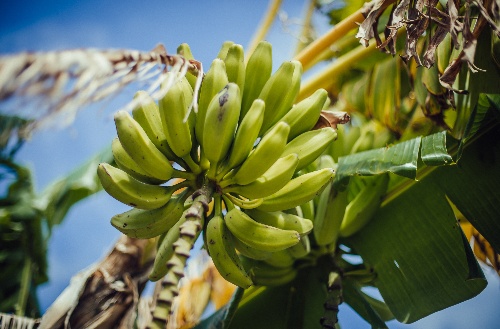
(394, 218)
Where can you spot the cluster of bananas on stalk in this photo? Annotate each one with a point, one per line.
(245, 150)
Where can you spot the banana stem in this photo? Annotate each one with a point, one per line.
(195, 168)
(264, 26)
(333, 300)
(184, 175)
(189, 232)
(317, 47)
(326, 76)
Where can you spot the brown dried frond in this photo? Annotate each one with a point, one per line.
(62, 82)
(418, 17)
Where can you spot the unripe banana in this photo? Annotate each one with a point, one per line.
(264, 274)
(147, 115)
(365, 140)
(303, 116)
(224, 49)
(281, 259)
(309, 145)
(280, 173)
(213, 82)
(443, 53)
(245, 138)
(130, 191)
(298, 191)
(258, 71)
(281, 220)
(127, 164)
(173, 109)
(185, 51)
(221, 248)
(235, 66)
(220, 125)
(308, 210)
(301, 249)
(137, 144)
(336, 150)
(362, 208)
(250, 252)
(262, 158)
(146, 224)
(351, 135)
(257, 235)
(244, 203)
(165, 250)
(329, 214)
(280, 92)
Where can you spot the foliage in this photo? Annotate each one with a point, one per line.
(424, 118)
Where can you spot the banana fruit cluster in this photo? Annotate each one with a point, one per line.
(248, 141)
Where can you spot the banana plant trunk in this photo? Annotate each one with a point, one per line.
(105, 295)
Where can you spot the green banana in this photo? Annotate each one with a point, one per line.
(165, 250)
(303, 116)
(130, 191)
(281, 220)
(301, 249)
(257, 235)
(280, 173)
(298, 191)
(185, 51)
(258, 71)
(336, 150)
(243, 203)
(145, 224)
(173, 110)
(250, 252)
(235, 66)
(280, 92)
(308, 210)
(245, 138)
(365, 140)
(280, 259)
(351, 135)
(329, 214)
(213, 82)
(127, 164)
(309, 145)
(262, 158)
(224, 49)
(137, 144)
(221, 248)
(147, 115)
(220, 125)
(264, 274)
(362, 208)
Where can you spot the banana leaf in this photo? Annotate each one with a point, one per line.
(56, 200)
(415, 244)
(400, 159)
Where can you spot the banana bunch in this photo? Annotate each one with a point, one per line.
(247, 145)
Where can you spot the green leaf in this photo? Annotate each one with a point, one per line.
(296, 305)
(358, 301)
(56, 200)
(434, 152)
(400, 159)
(472, 185)
(417, 251)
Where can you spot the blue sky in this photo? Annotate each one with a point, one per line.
(86, 235)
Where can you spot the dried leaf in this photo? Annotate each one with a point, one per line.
(62, 82)
(332, 119)
(368, 29)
